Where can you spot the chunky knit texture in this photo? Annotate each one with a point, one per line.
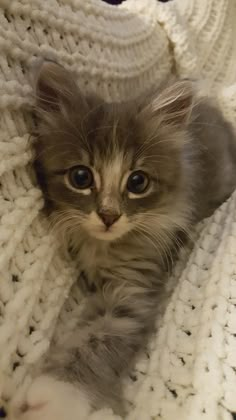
(189, 370)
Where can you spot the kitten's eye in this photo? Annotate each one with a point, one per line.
(80, 177)
(138, 182)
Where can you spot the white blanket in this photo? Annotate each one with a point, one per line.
(189, 371)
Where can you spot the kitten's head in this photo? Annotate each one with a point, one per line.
(108, 170)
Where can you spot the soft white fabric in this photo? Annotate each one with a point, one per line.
(119, 52)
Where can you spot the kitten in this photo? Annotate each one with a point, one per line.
(124, 182)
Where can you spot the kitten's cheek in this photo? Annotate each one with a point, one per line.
(48, 399)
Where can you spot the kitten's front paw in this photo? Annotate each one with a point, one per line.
(49, 399)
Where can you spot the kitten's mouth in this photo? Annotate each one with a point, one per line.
(107, 233)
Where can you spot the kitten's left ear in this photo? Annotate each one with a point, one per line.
(54, 87)
(175, 103)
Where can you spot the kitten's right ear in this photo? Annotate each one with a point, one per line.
(54, 87)
(174, 104)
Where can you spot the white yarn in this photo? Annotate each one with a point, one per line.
(117, 52)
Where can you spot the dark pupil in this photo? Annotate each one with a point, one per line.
(137, 183)
(81, 177)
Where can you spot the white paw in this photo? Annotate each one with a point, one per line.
(49, 399)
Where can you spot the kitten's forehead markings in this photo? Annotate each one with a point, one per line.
(84, 157)
(112, 174)
(114, 130)
(97, 179)
(111, 178)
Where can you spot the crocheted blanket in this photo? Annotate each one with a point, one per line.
(189, 368)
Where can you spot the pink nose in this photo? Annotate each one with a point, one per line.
(108, 218)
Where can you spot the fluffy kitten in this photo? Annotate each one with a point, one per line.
(123, 182)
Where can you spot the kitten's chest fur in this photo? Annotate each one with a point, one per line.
(101, 262)
(95, 258)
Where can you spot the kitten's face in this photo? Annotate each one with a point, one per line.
(109, 170)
